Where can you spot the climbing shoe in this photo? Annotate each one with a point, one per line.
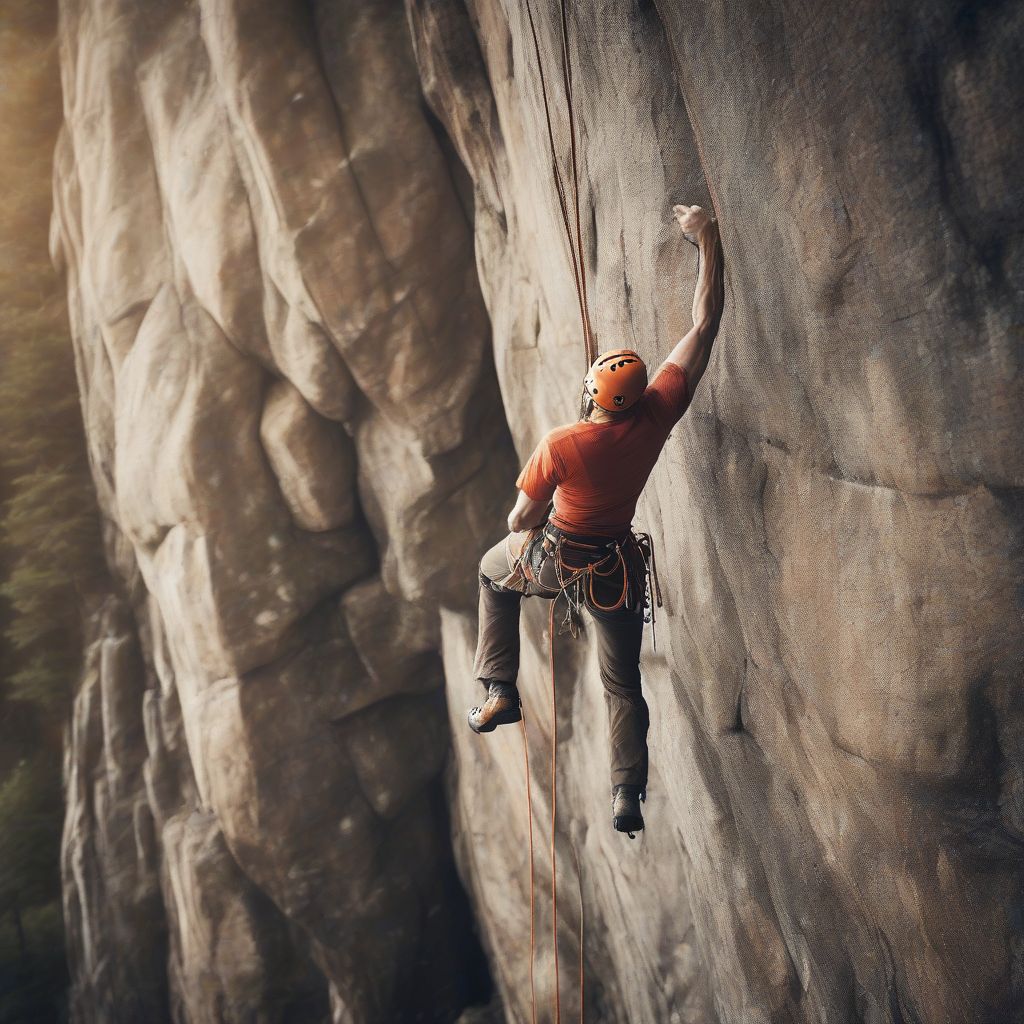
(626, 816)
(502, 707)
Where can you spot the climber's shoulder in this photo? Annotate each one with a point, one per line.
(563, 441)
(561, 445)
(559, 435)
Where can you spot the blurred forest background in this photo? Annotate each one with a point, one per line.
(50, 549)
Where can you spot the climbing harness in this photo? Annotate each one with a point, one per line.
(578, 563)
(577, 581)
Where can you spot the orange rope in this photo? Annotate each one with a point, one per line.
(588, 334)
(579, 274)
(529, 818)
(575, 252)
(579, 883)
(554, 795)
(621, 600)
(568, 575)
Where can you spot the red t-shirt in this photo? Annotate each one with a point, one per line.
(596, 471)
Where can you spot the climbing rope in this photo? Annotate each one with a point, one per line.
(591, 346)
(579, 881)
(572, 580)
(554, 804)
(576, 584)
(579, 270)
(554, 874)
(529, 820)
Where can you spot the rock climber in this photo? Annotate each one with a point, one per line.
(571, 528)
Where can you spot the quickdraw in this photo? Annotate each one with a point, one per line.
(652, 596)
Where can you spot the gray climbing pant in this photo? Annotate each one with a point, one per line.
(522, 566)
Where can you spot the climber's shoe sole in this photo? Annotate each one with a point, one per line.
(506, 717)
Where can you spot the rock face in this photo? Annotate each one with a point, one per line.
(290, 365)
(290, 401)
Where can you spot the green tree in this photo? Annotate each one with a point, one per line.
(49, 526)
(32, 968)
(50, 549)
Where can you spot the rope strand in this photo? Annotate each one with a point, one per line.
(529, 818)
(579, 274)
(554, 804)
(575, 252)
(588, 335)
(575, 582)
(579, 883)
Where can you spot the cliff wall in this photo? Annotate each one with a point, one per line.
(322, 307)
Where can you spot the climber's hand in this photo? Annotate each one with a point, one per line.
(692, 219)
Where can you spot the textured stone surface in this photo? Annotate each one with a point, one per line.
(264, 259)
(294, 438)
(835, 808)
(109, 860)
(299, 418)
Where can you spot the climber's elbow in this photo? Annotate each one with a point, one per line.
(516, 522)
(694, 351)
(527, 513)
(707, 330)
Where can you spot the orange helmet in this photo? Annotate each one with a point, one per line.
(616, 381)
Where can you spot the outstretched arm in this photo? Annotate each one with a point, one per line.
(694, 351)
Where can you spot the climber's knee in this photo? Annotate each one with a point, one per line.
(487, 583)
(623, 685)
